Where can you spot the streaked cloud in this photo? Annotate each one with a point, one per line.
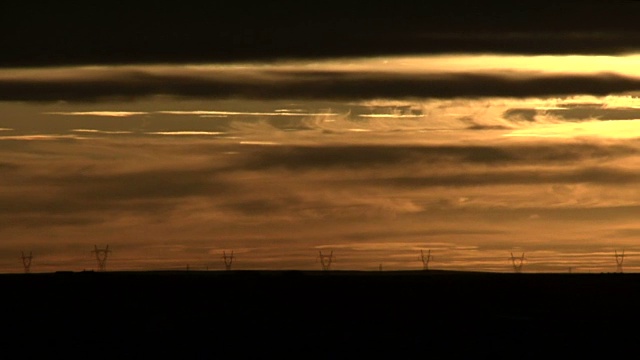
(240, 113)
(356, 80)
(552, 176)
(398, 116)
(95, 131)
(43, 137)
(299, 158)
(183, 133)
(100, 113)
(259, 143)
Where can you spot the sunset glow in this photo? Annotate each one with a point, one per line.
(470, 152)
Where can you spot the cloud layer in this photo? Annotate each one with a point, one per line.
(303, 84)
(165, 203)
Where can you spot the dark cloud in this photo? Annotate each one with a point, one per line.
(8, 166)
(600, 113)
(574, 112)
(382, 234)
(486, 127)
(262, 206)
(44, 220)
(627, 232)
(399, 110)
(122, 32)
(300, 158)
(578, 216)
(143, 184)
(66, 203)
(323, 85)
(472, 124)
(521, 114)
(594, 175)
(75, 199)
(372, 156)
(246, 186)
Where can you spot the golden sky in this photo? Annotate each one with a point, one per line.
(472, 155)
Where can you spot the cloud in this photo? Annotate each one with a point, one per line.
(263, 206)
(186, 133)
(574, 112)
(282, 84)
(599, 175)
(487, 127)
(102, 174)
(41, 137)
(141, 184)
(374, 156)
(99, 113)
(258, 184)
(5, 165)
(521, 114)
(96, 131)
(148, 194)
(581, 113)
(219, 113)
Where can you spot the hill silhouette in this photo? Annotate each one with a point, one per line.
(319, 314)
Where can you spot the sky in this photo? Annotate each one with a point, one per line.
(176, 133)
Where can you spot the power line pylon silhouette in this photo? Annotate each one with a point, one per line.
(325, 260)
(101, 257)
(425, 259)
(26, 262)
(228, 260)
(517, 263)
(619, 260)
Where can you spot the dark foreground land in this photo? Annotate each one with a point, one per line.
(326, 315)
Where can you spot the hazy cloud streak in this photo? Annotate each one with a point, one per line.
(309, 85)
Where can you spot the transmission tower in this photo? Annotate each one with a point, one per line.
(425, 259)
(26, 262)
(619, 261)
(101, 257)
(517, 262)
(326, 260)
(228, 260)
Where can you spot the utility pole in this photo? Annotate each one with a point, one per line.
(326, 260)
(228, 260)
(425, 259)
(26, 262)
(101, 257)
(619, 260)
(517, 263)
